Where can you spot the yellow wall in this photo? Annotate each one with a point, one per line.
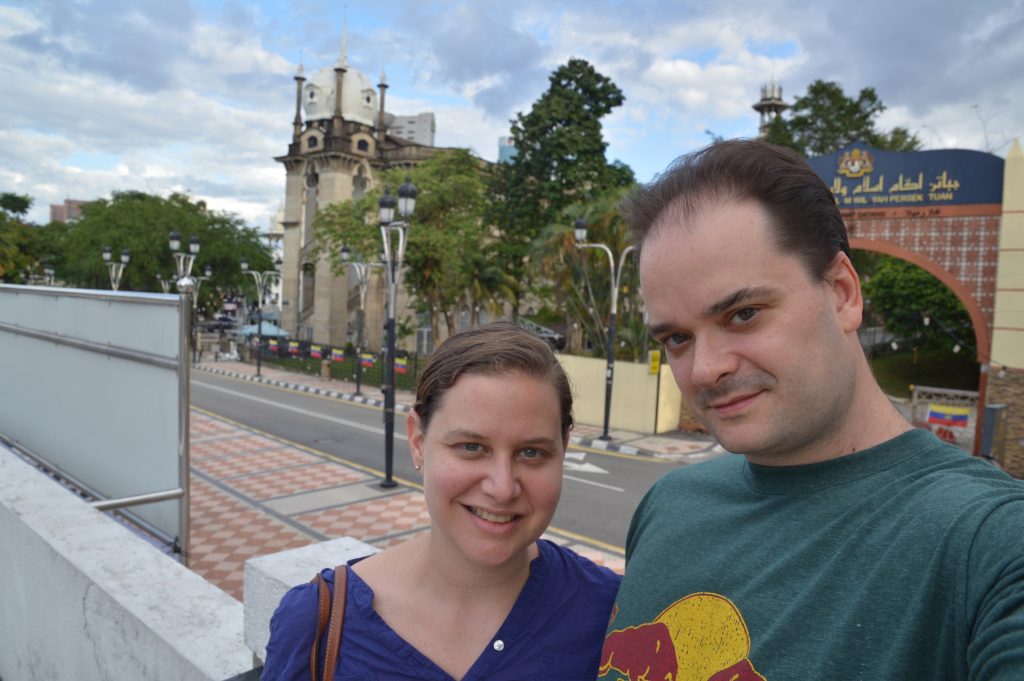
(635, 392)
(1008, 334)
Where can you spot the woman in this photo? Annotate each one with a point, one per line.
(479, 595)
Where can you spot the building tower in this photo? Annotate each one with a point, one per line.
(770, 107)
(339, 146)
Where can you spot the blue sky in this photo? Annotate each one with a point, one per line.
(103, 96)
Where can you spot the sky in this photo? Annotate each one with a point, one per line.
(199, 96)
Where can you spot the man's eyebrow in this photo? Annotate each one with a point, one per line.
(738, 298)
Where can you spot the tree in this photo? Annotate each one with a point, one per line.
(825, 119)
(447, 256)
(560, 158)
(580, 280)
(903, 295)
(18, 239)
(142, 223)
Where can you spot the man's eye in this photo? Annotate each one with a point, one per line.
(675, 340)
(745, 315)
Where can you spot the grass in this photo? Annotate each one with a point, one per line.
(942, 369)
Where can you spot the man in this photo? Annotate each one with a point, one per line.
(842, 543)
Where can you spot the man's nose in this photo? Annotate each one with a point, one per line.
(712, 360)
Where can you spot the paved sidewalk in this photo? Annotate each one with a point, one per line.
(253, 494)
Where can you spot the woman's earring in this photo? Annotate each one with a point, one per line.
(416, 466)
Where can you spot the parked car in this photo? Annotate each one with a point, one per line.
(555, 340)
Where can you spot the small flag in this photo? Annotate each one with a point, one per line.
(401, 365)
(293, 347)
(366, 359)
(316, 352)
(272, 343)
(945, 415)
(338, 355)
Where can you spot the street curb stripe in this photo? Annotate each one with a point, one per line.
(592, 443)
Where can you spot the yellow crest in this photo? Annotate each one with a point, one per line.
(855, 163)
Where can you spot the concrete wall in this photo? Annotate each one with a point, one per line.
(83, 598)
(267, 578)
(636, 394)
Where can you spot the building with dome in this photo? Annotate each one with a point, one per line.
(342, 139)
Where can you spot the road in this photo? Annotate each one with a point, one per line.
(599, 494)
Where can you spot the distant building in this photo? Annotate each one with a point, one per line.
(770, 106)
(506, 149)
(419, 128)
(69, 210)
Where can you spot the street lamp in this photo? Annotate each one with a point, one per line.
(115, 269)
(362, 270)
(263, 281)
(392, 260)
(207, 274)
(48, 273)
(165, 284)
(186, 283)
(580, 234)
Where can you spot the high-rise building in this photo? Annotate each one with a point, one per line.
(506, 149)
(419, 128)
(69, 210)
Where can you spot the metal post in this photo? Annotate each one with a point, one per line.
(259, 325)
(389, 375)
(359, 350)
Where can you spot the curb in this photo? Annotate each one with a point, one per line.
(592, 443)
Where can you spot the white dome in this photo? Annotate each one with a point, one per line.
(358, 97)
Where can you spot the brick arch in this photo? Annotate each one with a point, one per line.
(982, 325)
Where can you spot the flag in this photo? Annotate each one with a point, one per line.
(272, 343)
(338, 355)
(316, 352)
(366, 359)
(293, 347)
(945, 415)
(401, 365)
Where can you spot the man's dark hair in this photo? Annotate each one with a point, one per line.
(800, 206)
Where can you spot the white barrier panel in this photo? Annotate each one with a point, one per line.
(95, 384)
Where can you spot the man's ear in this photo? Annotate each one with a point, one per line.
(845, 286)
(414, 431)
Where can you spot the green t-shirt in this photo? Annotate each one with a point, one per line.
(903, 561)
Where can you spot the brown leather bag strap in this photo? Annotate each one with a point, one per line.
(337, 620)
(323, 612)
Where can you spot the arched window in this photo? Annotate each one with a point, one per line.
(363, 145)
(312, 142)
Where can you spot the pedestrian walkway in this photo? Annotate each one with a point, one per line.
(253, 494)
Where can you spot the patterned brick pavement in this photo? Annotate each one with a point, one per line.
(242, 478)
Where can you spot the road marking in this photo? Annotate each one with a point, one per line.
(595, 484)
(305, 412)
(584, 467)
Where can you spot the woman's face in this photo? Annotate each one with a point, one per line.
(492, 465)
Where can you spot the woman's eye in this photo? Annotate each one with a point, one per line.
(531, 453)
(470, 447)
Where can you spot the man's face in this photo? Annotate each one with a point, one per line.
(760, 350)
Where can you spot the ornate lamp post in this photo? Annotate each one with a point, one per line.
(392, 259)
(115, 269)
(48, 273)
(362, 270)
(207, 274)
(186, 283)
(580, 234)
(165, 284)
(263, 281)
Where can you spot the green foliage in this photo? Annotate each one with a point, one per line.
(580, 279)
(142, 223)
(560, 159)
(903, 295)
(825, 119)
(446, 260)
(19, 244)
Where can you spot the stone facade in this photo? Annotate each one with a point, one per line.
(1008, 446)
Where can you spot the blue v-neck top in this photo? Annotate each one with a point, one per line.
(554, 631)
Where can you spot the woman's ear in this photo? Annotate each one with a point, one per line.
(414, 431)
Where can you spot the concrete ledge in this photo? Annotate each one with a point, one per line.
(83, 598)
(267, 578)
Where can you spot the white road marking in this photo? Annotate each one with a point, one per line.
(595, 484)
(305, 412)
(584, 467)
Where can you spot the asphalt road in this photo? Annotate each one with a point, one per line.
(599, 494)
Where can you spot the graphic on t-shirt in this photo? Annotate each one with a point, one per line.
(701, 637)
